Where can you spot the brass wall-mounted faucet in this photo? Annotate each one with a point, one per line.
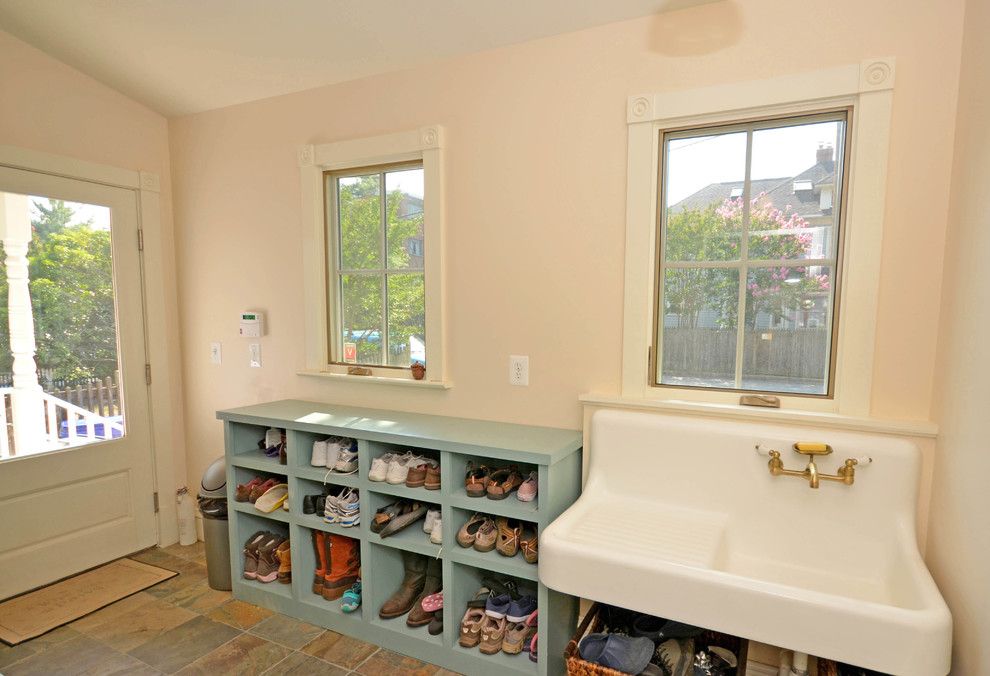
(846, 474)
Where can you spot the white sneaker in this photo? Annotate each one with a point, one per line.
(436, 533)
(319, 457)
(347, 463)
(335, 447)
(432, 516)
(379, 467)
(273, 437)
(398, 469)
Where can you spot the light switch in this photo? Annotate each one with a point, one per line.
(215, 354)
(255, 352)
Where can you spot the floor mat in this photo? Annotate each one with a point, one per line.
(42, 610)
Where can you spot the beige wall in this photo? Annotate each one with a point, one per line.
(536, 203)
(50, 107)
(959, 534)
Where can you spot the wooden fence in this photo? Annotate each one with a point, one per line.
(794, 353)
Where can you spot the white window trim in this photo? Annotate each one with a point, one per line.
(868, 87)
(422, 145)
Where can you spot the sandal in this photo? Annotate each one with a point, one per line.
(351, 600)
(411, 513)
(476, 480)
(529, 544)
(503, 482)
(471, 627)
(509, 531)
(469, 531)
(487, 534)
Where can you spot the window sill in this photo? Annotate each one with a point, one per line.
(379, 380)
(914, 428)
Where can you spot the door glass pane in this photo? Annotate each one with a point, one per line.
(404, 204)
(705, 177)
(59, 366)
(699, 327)
(361, 318)
(788, 327)
(360, 227)
(406, 319)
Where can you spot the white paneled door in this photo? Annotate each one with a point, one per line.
(76, 478)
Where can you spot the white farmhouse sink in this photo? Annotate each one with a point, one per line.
(680, 518)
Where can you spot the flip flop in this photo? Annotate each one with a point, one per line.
(272, 499)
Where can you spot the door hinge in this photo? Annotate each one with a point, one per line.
(140, 239)
(147, 374)
(155, 496)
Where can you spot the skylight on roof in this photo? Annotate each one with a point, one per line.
(736, 192)
(800, 186)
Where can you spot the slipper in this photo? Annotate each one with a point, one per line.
(272, 499)
(411, 512)
(351, 600)
(383, 515)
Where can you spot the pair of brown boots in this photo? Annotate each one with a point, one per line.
(338, 564)
(267, 558)
(422, 577)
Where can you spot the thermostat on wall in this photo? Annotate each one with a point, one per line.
(252, 324)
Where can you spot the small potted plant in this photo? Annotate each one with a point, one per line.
(418, 370)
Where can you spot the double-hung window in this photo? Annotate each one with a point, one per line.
(377, 303)
(748, 253)
(373, 213)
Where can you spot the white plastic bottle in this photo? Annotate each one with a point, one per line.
(187, 517)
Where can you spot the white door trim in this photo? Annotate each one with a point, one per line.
(164, 408)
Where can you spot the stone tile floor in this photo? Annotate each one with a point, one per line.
(182, 626)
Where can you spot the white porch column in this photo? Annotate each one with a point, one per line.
(27, 409)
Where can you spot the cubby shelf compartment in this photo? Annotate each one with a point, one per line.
(555, 454)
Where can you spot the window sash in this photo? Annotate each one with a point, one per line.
(336, 271)
(743, 264)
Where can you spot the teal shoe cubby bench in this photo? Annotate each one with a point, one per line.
(555, 454)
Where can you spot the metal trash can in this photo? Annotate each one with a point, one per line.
(213, 507)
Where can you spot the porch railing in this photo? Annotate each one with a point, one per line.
(57, 413)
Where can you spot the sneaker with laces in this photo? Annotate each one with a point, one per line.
(398, 468)
(436, 533)
(379, 467)
(347, 463)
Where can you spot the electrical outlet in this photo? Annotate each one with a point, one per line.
(518, 369)
(255, 350)
(215, 354)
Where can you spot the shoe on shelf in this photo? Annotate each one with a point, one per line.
(436, 533)
(261, 489)
(487, 535)
(379, 467)
(343, 555)
(398, 468)
(529, 544)
(432, 515)
(416, 476)
(384, 515)
(309, 504)
(498, 606)
(528, 488)
(628, 654)
(517, 637)
(503, 482)
(243, 493)
(476, 480)
(347, 463)
(419, 616)
(471, 627)
(351, 600)
(532, 648)
(344, 509)
(413, 581)
(469, 531)
(272, 499)
(284, 557)
(492, 635)
(509, 531)
(320, 549)
(672, 657)
(521, 609)
(433, 602)
(267, 561)
(251, 554)
(410, 513)
(319, 455)
(480, 598)
(432, 482)
(435, 628)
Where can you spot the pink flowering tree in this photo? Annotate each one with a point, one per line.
(713, 233)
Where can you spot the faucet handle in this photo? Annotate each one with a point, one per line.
(812, 448)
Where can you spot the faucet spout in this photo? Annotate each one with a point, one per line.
(811, 472)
